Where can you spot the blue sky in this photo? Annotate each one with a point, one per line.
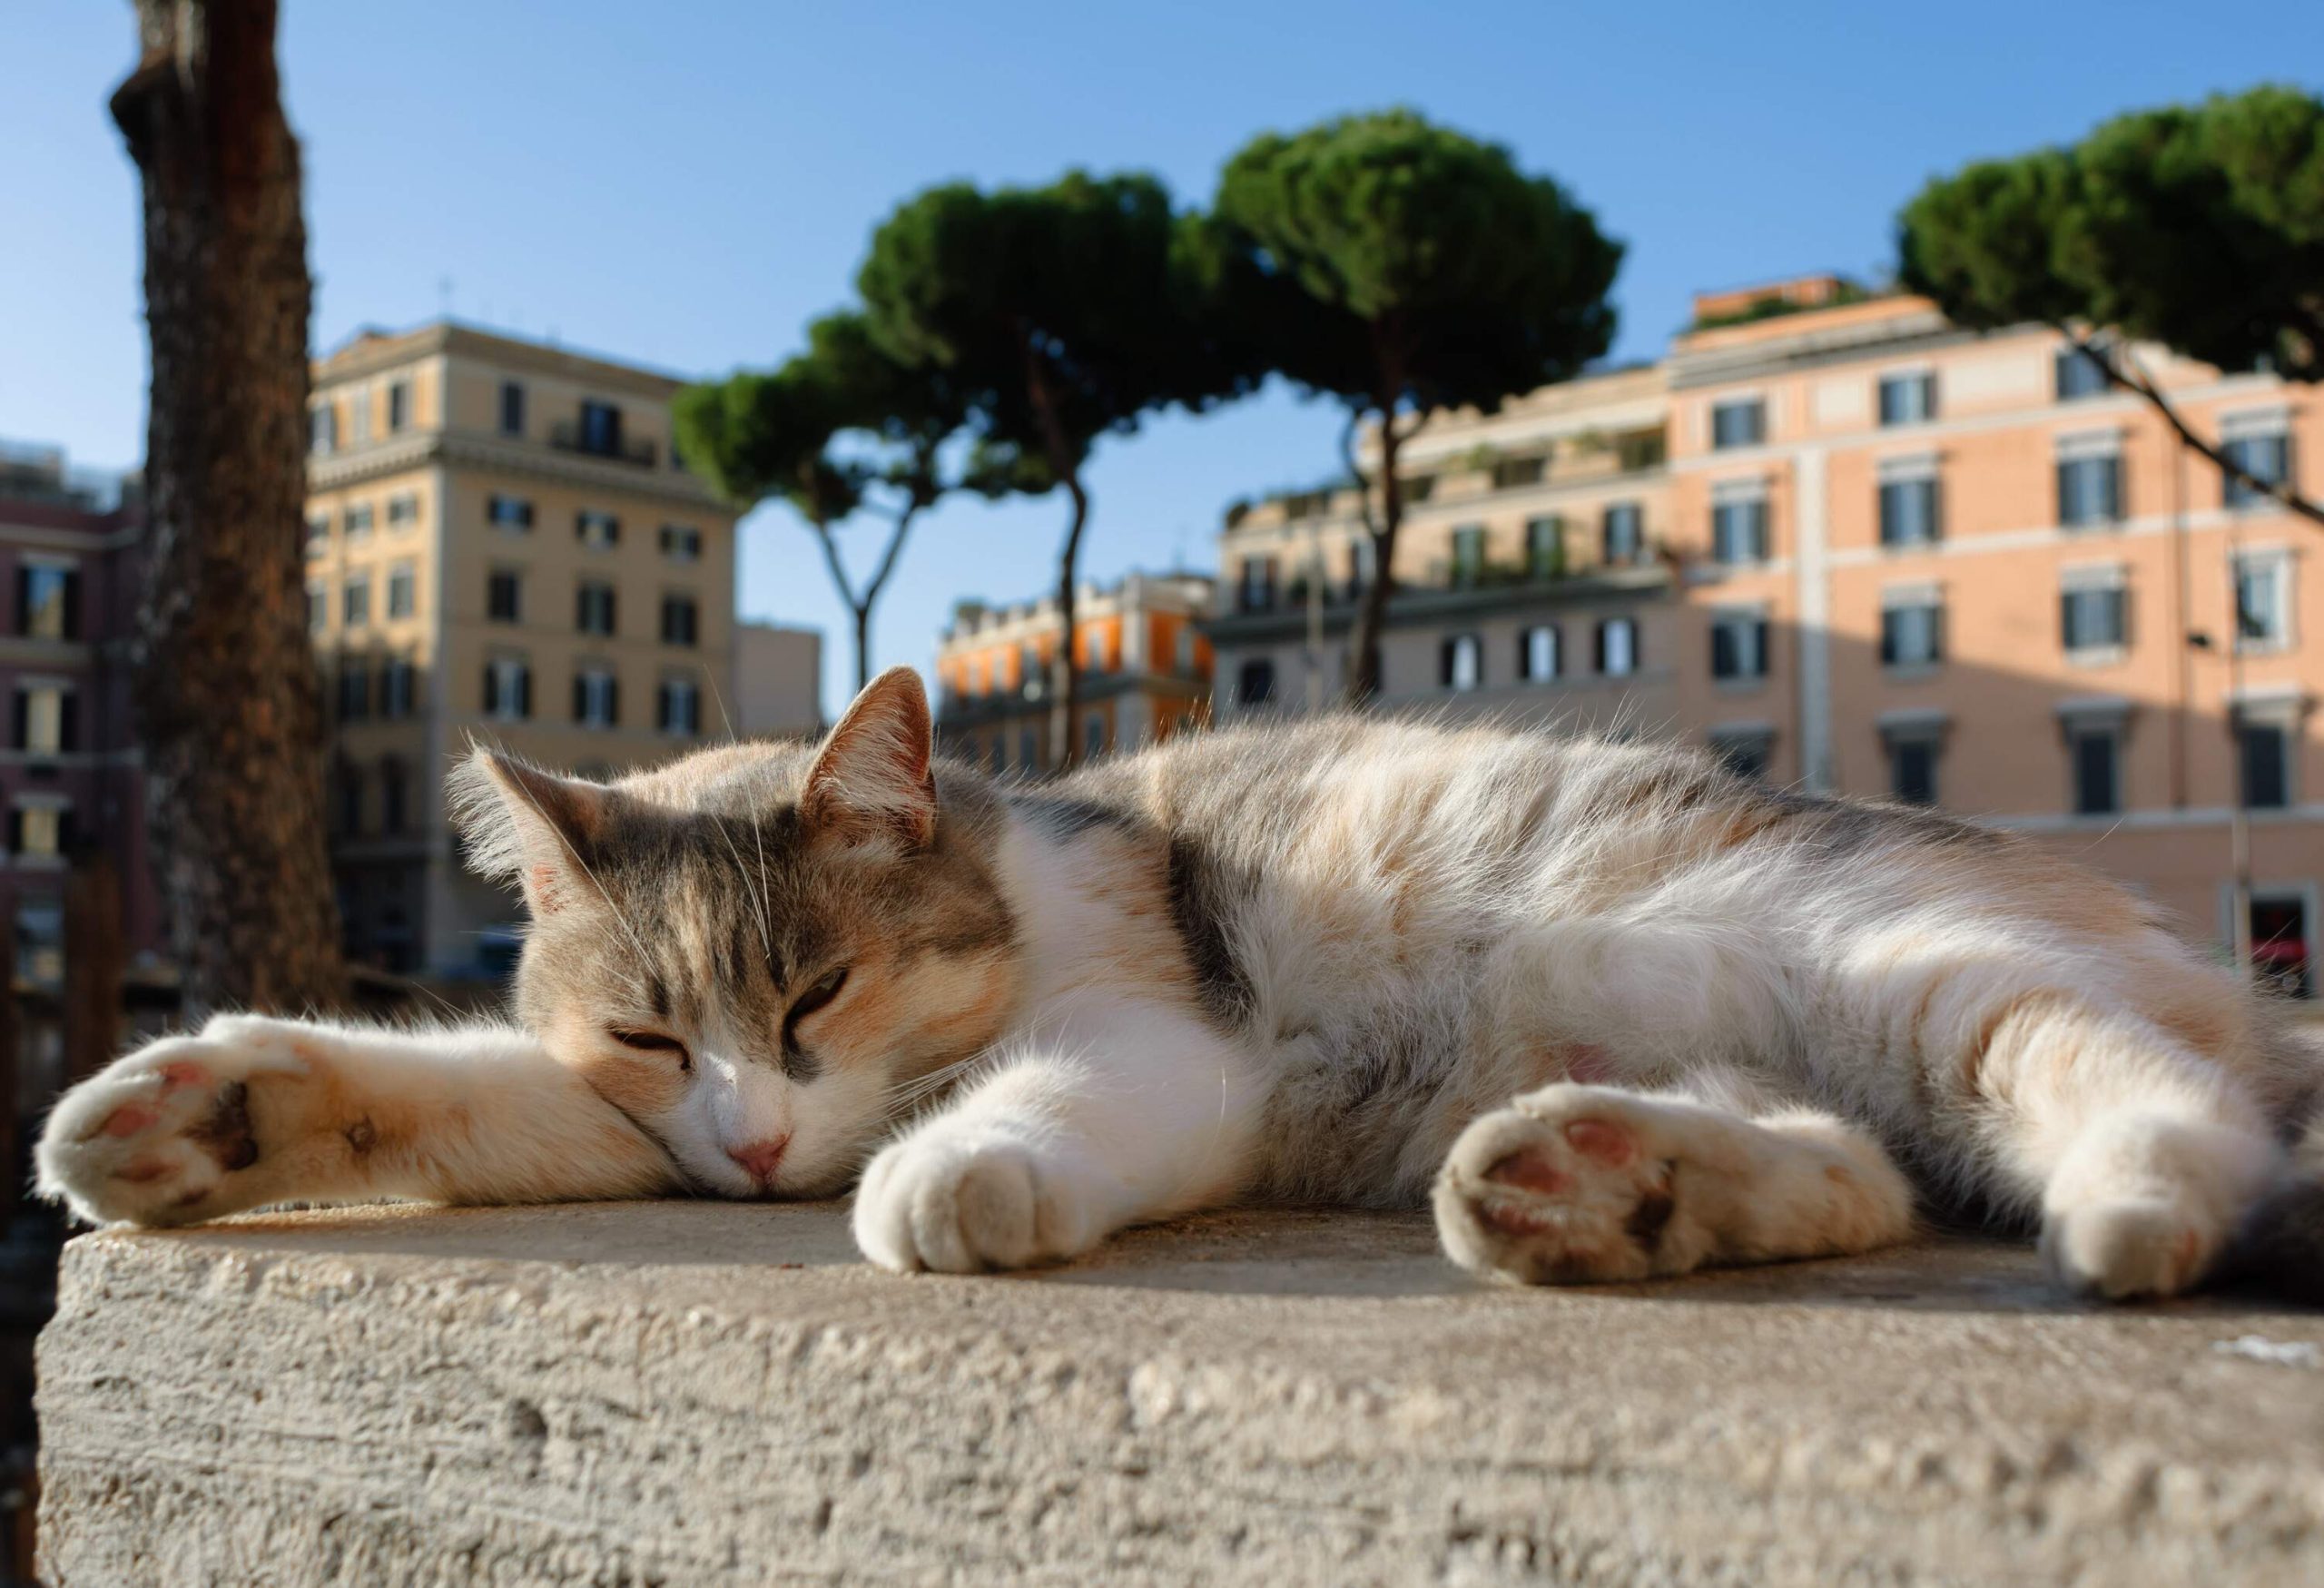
(686, 185)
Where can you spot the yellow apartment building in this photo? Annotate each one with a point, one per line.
(1146, 671)
(502, 548)
(1883, 556)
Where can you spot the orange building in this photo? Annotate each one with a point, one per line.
(1145, 670)
(1884, 556)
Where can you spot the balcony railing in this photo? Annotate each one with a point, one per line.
(567, 436)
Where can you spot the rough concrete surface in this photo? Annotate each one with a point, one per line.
(681, 1393)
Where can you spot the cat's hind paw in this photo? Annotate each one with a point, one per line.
(175, 1132)
(1570, 1185)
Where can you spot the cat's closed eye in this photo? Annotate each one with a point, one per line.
(644, 1042)
(815, 997)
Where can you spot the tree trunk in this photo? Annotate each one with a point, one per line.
(227, 691)
(1371, 617)
(1064, 748)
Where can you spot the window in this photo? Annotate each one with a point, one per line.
(322, 429)
(512, 408)
(1468, 554)
(1912, 769)
(1908, 510)
(1029, 749)
(600, 428)
(680, 544)
(2096, 753)
(358, 519)
(1907, 399)
(403, 590)
(348, 782)
(1623, 534)
(1255, 682)
(507, 689)
(1537, 652)
(355, 601)
(354, 689)
(40, 832)
(1093, 735)
(2262, 604)
(399, 408)
(678, 620)
(1911, 630)
(594, 607)
(359, 414)
(2266, 454)
(1545, 548)
(1742, 422)
(40, 943)
(1739, 645)
(596, 697)
(1745, 751)
(1254, 591)
(1617, 648)
(2263, 755)
(1739, 530)
(2094, 617)
(504, 512)
(1516, 473)
(2090, 491)
(1417, 488)
(1461, 662)
(503, 594)
(399, 687)
(48, 601)
(394, 787)
(403, 509)
(2077, 377)
(2279, 953)
(46, 719)
(317, 531)
(597, 531)
(679, 708)
(317, 607)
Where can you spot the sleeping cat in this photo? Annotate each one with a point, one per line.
(1620, 1012)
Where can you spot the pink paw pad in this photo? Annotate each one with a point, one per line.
(1602, 1142)
(128, 1119)
(183, 1072)
(1529, 1171)
(144, 1170)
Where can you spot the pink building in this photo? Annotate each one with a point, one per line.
(70, 550)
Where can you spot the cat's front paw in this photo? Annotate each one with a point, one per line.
(180, 1130)
(962, 1201)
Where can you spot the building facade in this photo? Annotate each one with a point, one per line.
(778, 681)
(1146, 671)
(502, 548)
(70, 559)
(1881, 555)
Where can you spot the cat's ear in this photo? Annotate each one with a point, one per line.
(871, 779)
(518, 823)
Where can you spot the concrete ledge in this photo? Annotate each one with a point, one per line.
(706, 1393)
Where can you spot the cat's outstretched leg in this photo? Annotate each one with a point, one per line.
(1121, 1111)
(2144, 1155)
(1579, 1184)
(255, 1110)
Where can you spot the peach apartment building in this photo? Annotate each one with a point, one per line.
(502, 548)
(1884, 556)
(1146, 671)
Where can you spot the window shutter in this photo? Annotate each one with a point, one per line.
(2066, 493)
(1598, 646)
(491, 689)
(1889, 626)
(1444, 663)
(24, 600)
(580, 697)
(2066, 619)
(21, 735)
(524, 690)
(73, 605)
(16, 832)
(1934, 491)
(1759, 628)
(1937, 634)
(613, 700)
(2112, 474)
(1722, 650)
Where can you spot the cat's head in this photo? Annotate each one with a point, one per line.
(756, 951)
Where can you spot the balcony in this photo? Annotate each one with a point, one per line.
(1277, 612)
(572, 436)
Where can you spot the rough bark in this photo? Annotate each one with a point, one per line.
(1064, 467)
(1372, 616)
(228, 697)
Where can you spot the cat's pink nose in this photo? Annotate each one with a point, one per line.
(760, 1158)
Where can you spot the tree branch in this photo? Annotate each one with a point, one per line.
(2133, 381)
